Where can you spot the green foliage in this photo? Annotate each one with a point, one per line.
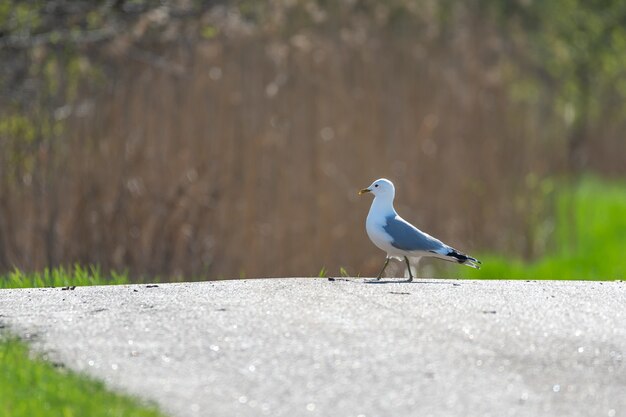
(575, 48)
(20, 17)
(62, 277)
(209, 32)
(589, 240)
(32, 387)
(18, 136)
(17, 126)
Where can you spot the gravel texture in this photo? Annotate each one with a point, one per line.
(343, 347)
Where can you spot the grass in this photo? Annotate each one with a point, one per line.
(61, 277)
(32, 387)
(588, 241)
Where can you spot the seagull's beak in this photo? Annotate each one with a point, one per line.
(365, 190)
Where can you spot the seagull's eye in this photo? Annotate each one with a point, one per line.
(376, 185)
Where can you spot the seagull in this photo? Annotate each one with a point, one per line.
(399, 238)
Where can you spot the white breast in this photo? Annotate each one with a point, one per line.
(377, 234)
(374, 225)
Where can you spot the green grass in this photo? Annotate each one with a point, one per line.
(61, 277)
(32, 387)
(588, 242)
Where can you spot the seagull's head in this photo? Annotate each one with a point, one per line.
(380, 187)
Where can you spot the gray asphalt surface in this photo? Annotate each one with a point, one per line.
(314, 347)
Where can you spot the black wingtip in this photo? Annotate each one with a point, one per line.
(464, 259)
(460, 258)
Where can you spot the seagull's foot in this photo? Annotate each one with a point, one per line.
(408, 268)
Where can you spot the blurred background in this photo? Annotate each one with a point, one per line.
(224, 139)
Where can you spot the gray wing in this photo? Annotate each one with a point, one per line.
(407, 237)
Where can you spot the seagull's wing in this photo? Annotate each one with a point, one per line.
(405, 236)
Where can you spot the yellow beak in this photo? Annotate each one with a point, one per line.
(365, 190)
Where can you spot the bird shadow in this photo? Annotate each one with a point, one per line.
(395, 281)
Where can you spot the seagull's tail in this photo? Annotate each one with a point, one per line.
(456, 256)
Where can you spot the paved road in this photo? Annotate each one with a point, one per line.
(314, 347)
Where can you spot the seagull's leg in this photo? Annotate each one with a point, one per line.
(408, 265)
(382, 271)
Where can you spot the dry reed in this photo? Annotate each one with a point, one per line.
(241, 156)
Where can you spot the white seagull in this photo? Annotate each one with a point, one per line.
(399, 238)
